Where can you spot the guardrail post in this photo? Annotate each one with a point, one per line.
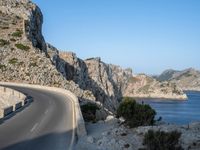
(4, 89)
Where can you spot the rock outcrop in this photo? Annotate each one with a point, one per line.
(188, 79)
(142, 86)
(28, 16)
(25, 57)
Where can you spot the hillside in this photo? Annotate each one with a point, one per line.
(26, 57)
(188, 79)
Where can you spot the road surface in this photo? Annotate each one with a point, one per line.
(44, 124)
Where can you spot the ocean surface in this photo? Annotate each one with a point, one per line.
(177, 111)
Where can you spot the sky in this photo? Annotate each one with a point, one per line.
(148, 36)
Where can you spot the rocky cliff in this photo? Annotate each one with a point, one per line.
(188, 79)
(25, 57)
(107, 82)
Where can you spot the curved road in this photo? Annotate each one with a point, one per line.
(44, 124)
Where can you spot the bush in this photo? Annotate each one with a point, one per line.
(160, 140)
(5, 27)
(13, 40)
(136, 114)
(2, 67)
(20, 63)
(17, 33)
(22, 47)
(33, 64)
(89, 111)
(13, 61)
(4, 42)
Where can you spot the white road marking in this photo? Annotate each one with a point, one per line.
(34, 127)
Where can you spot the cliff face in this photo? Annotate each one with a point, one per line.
(25, 57)
(188, 79)
(107, 82)
(28, 17)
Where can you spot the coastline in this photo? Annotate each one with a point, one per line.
(172, 97)
(191, 90)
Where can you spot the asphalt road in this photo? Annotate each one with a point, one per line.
(44, 124)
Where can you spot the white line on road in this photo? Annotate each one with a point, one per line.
(34, 127)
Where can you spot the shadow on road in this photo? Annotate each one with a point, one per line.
(52, 141)
(13, 113)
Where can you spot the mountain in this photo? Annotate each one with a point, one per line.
(167, 75)
(188, 79)
(26, 57)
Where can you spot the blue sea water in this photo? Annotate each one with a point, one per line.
(177, 111)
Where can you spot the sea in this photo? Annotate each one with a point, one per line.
(177, 111)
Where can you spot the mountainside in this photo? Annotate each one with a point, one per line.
(188, 79)
(25, 57)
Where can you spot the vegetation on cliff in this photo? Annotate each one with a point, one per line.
(160, 140)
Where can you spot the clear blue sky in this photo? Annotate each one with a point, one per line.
(146, 35)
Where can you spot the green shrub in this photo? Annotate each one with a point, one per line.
(20, 63)
(17, 33)
(2, 67)
(33, 64)
(27, 74)
(13, 40)
(4, 42)
(13, 61)
(89, 111)
(160, 140)
(22, 47)
(5, 27)
(136, 114)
